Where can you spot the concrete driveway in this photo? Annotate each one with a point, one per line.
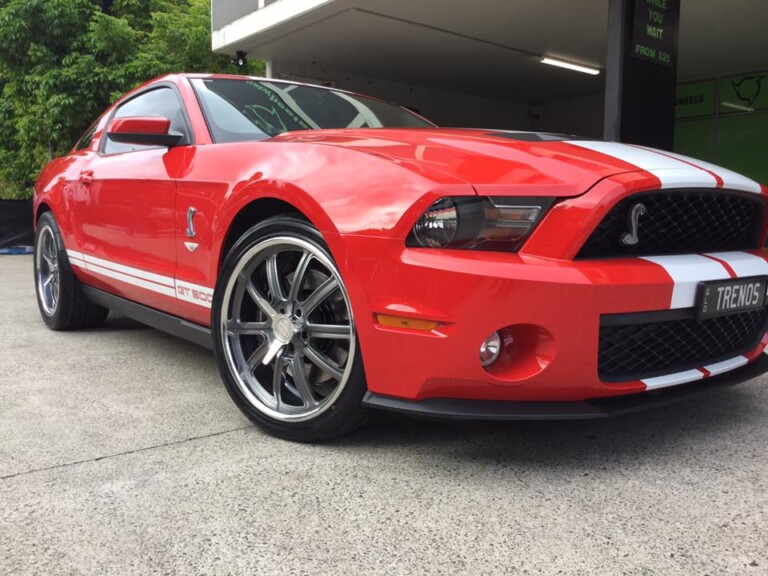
(121, 453)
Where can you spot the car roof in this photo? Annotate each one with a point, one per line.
(174, 77)
(216, 76)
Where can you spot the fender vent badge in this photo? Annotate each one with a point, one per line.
(191, 246)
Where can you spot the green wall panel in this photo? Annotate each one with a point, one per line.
(733, 134)
(696, 138)
(742, 144)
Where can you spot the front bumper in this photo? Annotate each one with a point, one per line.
(554, 306)
(552, 301)
(456, 409)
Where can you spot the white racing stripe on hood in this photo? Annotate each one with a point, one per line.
(671, 172)
(687, 271)
(689, 177)
(731, 179)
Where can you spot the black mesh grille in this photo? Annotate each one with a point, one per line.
(634, 351)
(679, 222)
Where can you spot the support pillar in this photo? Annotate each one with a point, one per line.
(641, 72)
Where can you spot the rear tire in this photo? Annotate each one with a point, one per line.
(61, 300)
(284, 334)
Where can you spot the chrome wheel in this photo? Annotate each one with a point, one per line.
(287, 330)
(48, 279)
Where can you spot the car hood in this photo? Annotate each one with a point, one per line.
(494, 162)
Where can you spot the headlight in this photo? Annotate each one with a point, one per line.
(485, 223)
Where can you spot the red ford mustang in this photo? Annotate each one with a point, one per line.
(340, 254)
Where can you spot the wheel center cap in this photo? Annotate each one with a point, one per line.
(283, 328)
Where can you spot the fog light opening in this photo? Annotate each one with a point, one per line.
(490, 350)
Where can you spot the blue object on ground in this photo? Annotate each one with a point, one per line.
(17, 250)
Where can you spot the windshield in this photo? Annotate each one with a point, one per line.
(238, 110)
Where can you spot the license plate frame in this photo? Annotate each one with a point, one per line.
(717, 298)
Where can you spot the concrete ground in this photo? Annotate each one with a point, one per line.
(121, 453)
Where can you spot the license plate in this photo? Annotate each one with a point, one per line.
(721, 297)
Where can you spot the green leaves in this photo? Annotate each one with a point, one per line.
(63, 62)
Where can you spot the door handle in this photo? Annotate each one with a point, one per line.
(86, 177)
(190, 222)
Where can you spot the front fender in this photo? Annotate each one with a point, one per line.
(341, 191)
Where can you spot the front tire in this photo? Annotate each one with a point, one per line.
(62, 303)
(284, 334)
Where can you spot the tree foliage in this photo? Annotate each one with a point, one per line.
(62, 62)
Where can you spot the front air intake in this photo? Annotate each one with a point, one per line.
(677, 222)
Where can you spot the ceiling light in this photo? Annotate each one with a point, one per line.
(570, 66)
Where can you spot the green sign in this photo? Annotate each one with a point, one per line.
(695, 99)
(745, 93)
(654, 31)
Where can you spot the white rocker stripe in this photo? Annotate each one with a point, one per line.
(673, 379)
(687, 271)
(188, 292)
(160, 289)
(76, 258)
(138, 273)
(194, 293)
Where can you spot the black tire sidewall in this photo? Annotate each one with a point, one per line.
(66, 276)
(347, 410)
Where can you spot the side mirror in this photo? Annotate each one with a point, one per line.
(144, 130)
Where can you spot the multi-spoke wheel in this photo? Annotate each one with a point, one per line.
(47, 262)
(284, 333)
(62, 303)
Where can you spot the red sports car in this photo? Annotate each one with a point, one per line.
(339, 254)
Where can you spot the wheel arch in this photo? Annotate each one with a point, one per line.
(255, 211)
(41, 209)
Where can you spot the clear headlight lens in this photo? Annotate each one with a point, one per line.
(484, 223)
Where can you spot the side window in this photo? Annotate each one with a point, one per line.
(161, 102)
(85, 140)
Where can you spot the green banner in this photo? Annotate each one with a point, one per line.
(695, 99)
(745, 93)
